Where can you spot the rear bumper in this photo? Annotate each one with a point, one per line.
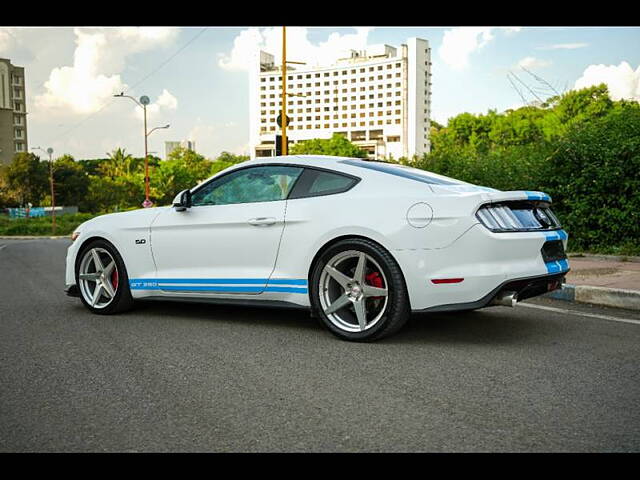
(486, 262)
(524, 288)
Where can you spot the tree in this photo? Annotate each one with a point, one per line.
(337, 145)
(183, 169)
(70, 180)
(118, 164)
(28, 177)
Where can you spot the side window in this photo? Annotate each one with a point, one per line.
(248, 185)
(315, 183)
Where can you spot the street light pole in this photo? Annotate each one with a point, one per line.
(284, 91)
(49, 150)
(147, 203)
(144, 101)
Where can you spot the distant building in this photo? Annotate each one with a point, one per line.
(13, 114)
(171, 146)
(379, 98)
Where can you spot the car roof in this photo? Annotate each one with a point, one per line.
(362, 168)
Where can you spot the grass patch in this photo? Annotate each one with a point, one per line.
(41, 226)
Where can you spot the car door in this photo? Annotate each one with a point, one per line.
(228, 241)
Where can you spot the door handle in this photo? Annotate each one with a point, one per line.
(262, 221)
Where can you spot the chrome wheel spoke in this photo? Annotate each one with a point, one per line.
(360, 270)
(370, 291)
(108, 288)
(90, 276)
(361, 313)
(109, 268)
(338, 276)
(96, 261)
(96, 294)
(340, 302)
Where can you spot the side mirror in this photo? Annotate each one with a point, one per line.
(182, 201)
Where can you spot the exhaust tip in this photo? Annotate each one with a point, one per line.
(508, 299)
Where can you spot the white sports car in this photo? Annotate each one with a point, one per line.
(360, 243)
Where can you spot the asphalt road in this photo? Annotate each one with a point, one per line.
(191, 377)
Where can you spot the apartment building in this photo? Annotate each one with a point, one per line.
(379, 98)
(13, 114)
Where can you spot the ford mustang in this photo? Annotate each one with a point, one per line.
(359, 243)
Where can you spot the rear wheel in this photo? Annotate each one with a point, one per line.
(358, 291)
(102, 279)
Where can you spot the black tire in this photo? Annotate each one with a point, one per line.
(122, 300)
(398, 308)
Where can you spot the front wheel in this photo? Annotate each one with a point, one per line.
(102, 279)
(358, 291)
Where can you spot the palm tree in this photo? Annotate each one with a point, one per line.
(118, 164)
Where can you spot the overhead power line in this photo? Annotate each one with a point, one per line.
(138, 83)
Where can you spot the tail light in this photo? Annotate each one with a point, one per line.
(517, 216)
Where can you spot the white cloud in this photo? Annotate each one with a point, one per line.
(564, 46)
(622, 80)
(299, 48)
(166, 102)
(531, 63)
(459, 43)
(98, 59)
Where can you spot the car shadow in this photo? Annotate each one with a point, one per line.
(490, 326)
(495, 325)
(259, 315)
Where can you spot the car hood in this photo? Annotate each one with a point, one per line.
(140, 218)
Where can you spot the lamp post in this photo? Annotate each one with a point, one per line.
(49, 150)
(144, 101)
(285, 144)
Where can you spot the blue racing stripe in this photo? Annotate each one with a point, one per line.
(286, 281)
(220, 284)
(286, 289)
(557, 235)
(557, 266)
(541, 196)
(231, 281)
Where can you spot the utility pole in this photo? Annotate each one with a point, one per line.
(53, 196)
(284, 91)
(144, 101)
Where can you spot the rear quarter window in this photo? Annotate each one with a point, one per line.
(314, 183)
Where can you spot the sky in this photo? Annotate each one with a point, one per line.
(197, 78)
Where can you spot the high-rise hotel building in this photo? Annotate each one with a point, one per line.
(13, 114)
(379, 98)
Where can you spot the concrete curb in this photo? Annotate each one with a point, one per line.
(610, 297)
(32, 237)
(610, 258)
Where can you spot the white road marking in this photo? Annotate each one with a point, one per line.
(576, 312)
(2, 246)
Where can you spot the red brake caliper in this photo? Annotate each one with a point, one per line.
(114, 279)
(375, 280)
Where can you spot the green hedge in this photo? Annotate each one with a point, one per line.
(65, 224)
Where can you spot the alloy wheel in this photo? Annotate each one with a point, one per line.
(353, 291)
(98, 277)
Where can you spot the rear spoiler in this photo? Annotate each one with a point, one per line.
(490, 195)
(517, 195)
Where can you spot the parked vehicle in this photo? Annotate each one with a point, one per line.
(360, 243)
